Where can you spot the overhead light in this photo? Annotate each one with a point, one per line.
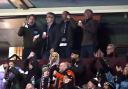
(3, 1)
(22, 4)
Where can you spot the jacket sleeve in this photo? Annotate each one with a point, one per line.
(21, 31)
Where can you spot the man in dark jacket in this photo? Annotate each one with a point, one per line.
(30, 33)
(49, 35)
(78, 68)
(89, 28)
(66, 30)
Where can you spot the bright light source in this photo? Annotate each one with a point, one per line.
(3, 1)
(24, 4)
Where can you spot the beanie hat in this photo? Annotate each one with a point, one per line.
(45, 68)
(94, 81)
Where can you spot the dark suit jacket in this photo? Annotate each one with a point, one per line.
(52, 40)
(71, 26)
(89, 32)
(28, 34)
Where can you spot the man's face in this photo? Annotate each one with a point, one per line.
(90, 85)
(49, 18)
(64, 15)
(74, 56)
(11, 64)
(125, 71)
(87, 14)
(31, 20)
(106, 85)
(54, 56)
(63, 67)
(110, 49)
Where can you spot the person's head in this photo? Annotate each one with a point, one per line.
(88, 13)
(54, 56)
(75, 56)
(125, 71)
(45, 71)
(92, 84)
(11, 64)
(65, 14)
(29, 86)
(110, 49)
(31, 19)
(5, 65)
(50, 17)
(108, 85)
(63, 66)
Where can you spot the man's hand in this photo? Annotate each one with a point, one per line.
(80, 23)
(44, 35)
(51, 50)
(119, 69)
(54, 73)
(35, 37)
(32, 54)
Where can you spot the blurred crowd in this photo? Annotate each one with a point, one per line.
(65, 46)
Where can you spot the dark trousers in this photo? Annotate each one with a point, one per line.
(64, 52)
(87, 51)
(46, 54)
(26, 52)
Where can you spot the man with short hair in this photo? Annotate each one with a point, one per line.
(89, 29)
(66, 34)
(30, 32)
(49, 35)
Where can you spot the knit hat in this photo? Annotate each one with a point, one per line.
(45, 68)
(94, 81)
(110, 84)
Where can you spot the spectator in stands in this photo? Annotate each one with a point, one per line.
(110, 50)
(14, 79)
(53, 63)
(66, 30)
(30, 33)
(122, 79)
(63, 70)
(78, 68)
(69, 82)
(45, 79)
(29, 86)
(89, 28)
(92, 84)
(49, 35)
(33, 74)
(109, 85)
(3, 70)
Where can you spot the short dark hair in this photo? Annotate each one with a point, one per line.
(88, 10)
(51, 13)
(30, 16)
(66, 12)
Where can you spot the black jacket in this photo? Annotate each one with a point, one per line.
(52, 40)
(28, 33)
(67, 31)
